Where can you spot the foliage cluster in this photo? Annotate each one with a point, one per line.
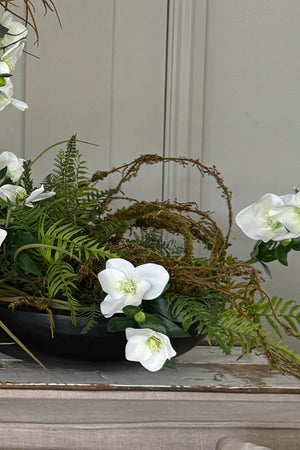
(54, 251)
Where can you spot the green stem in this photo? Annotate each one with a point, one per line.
(7, 218)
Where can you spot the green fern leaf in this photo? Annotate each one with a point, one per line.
(60, 276)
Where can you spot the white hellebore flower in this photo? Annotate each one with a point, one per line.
(289, 214)
(148, 347)
(14, 194)
(11, 56)
(3, 234)
(129, 285)
(257, 222)
(13, 163)
(16, 30)
(6, 97)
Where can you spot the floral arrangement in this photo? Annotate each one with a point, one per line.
(64, 247)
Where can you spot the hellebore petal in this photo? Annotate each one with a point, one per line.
(110, 306)
(289, 216)
(121, 264)
(4, 68)
(288, 199)
(13, 163)
(110, 280)
(6, 97)
(136, 350)
(4, 102)
(3, 234)
(11, 56)
(148, 347)
(37, 195)
(127, 285)
(18, 104)
(156, 275)
(256, 222)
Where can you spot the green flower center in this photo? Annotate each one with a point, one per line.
(154, 343)
(128, 287)
(273, 224)
(296, 210)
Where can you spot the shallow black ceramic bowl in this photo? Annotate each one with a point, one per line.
(33, 330)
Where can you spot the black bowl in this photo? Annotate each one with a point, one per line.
(33, 330)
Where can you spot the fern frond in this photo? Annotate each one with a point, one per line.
(277, 312)
(287, 352)
(26, 181)
(60, 276)
(78, 198)
(90, 314)
(238, 326)
(28, 219)
(70, 238)
(202, 313)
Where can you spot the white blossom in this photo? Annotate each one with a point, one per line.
(129, 285)
(16, 194)
(13, 163)
(12, 193)
(258, 222)
(148, 347)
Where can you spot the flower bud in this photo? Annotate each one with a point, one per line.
(140, 316)
(285, 242)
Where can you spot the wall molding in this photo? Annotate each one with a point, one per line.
(185, 86)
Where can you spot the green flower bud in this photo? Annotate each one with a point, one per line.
(140, 317)
(21, 194)
(285, 242)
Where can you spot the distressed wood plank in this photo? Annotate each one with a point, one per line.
(118, 420)
(100, 405)
(201, 369)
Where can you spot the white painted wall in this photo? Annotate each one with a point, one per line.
(251, 111)
(232, 96)
(101, 76)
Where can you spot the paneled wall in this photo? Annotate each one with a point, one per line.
(101, 76)
(213, 79)
(251, 110)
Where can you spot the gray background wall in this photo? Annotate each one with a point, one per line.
(214, 79)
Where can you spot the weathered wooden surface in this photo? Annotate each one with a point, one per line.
(48, 419)
(201, 369)
(120, 405)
